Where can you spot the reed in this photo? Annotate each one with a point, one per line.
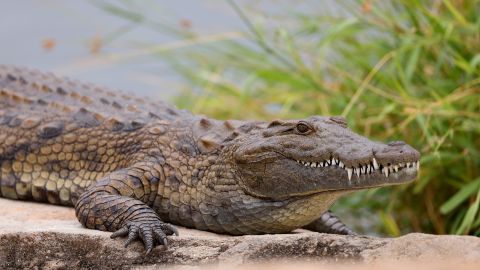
(397, 70)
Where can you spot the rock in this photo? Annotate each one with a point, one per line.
(35, 235)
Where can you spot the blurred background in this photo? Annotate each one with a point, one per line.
(108, 44)
(397, 70)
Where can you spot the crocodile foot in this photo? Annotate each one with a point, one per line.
(150, 231)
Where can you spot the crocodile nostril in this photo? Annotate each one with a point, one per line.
(396, 143)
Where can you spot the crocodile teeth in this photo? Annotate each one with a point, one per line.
(375, 164)
(349, 172)
(362, 169)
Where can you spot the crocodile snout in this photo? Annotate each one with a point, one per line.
(396, 152)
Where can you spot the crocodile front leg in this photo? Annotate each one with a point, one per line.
(120, 203)
(329, 223)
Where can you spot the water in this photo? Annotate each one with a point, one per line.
(28, 28)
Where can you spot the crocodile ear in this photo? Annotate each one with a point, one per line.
(277, 127)
(275, 123)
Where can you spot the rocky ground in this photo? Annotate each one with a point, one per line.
(42, 236)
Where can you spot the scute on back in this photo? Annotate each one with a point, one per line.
(36, 93)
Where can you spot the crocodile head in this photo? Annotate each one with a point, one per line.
(318, 155)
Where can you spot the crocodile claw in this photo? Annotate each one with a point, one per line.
(150, 231)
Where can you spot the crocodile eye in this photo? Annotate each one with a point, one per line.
(303, 128)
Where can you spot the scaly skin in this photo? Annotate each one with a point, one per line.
(129, 165)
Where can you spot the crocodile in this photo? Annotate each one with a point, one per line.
(137, 167)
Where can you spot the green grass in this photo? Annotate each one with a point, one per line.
(397, 70)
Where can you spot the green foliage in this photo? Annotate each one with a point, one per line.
(397, 70)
